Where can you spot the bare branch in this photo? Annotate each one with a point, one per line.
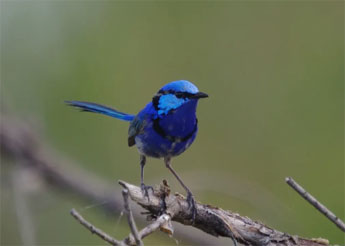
(130, 218)
(163, 219)
(134, 238)
(216, 221)
(313, 201)
(159, 223)
(95, 230)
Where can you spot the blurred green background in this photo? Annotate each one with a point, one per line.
(274, 72)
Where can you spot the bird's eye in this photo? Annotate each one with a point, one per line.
(179, 94)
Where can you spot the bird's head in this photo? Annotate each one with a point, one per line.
(175, 94)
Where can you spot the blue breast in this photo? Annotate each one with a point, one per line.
(167, 134)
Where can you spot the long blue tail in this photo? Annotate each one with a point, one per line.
(96, 108)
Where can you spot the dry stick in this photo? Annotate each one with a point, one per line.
(135, 237)
(319, 206)
(159, 223)
(130, 218)
(216, 221)
(95, 230)
(142, 234)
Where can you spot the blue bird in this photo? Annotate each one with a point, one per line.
(165, 128)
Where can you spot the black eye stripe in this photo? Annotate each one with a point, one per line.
(155, 100)
(178, 94)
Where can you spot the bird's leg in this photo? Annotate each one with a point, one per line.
(145, 189)
(190, 198)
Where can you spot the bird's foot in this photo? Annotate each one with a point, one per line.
(145, 190)
(192, 206)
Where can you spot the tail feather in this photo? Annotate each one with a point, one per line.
(97, 108)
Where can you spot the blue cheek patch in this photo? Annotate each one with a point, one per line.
(169, 102)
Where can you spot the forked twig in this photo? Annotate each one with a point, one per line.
(318, 205)
(95, 230)
(135, 237)
(130, 218)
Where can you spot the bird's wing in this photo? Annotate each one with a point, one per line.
(136, 126)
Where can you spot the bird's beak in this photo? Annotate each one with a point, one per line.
(199, 95)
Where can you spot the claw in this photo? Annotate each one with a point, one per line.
(145, 190)
(192, 206)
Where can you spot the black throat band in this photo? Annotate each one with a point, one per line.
(157, 127)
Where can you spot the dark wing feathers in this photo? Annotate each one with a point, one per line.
(135, 127)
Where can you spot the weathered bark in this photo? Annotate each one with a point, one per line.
(216, 221)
